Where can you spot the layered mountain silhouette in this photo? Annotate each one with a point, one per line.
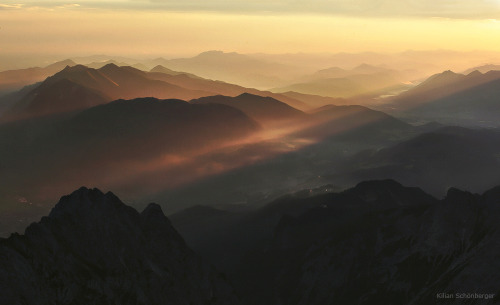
(316, 101)
(59, 96)
(79, 87)
(194, 82)
(363, 69)
(436, 161)
(483, 68)
(93, 249)
(123, 82)
(262, 109)
(232, 67)
(111, 142)
(162, 69)
(337, 134)
(100, 64)
(379, 242)
(13, 80)
(452, 98)
(346, 121)
(339, 83)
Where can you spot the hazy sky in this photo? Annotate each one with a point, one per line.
(163, 27)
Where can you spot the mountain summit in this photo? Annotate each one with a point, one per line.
(93, 249)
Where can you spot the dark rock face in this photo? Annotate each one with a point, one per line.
(394, 246)
(377, 243)
(93, 249)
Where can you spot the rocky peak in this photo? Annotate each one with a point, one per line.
(93, 247)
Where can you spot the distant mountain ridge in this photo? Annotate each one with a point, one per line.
(12, 80)
(436, 161)
(483, 68)
(89, 87)
(451, 98)
(363, 80)
(110, 82)
(231, 67)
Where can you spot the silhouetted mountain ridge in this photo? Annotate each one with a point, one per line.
(121, 137)
(92, 249)
(437, 160)
(261, 109)
(58, 94)
(12, 80)
(376, 243)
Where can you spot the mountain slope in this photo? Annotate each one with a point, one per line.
(339, 83)
(353, 122)
(113, 144)
(440, 86)
(373, 248)
(232, 67)
(60, 96)
(315, 101)
(93, 249)
(80, 87)
(447, 157)
(12, 80)
(123, 82)
(376, 243)
(194, 82)
(261, 109)
(483, 68)
(476, 106)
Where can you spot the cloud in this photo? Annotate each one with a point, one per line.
(463, 9)
(10, 6)
(30, 5)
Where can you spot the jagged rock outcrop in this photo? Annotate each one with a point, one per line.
(93, 249)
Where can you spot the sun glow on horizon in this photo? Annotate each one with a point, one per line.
(71, 30)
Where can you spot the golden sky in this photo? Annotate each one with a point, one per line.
(162, 27)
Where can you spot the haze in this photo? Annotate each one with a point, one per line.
(168, 28)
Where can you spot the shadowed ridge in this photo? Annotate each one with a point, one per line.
(75, 68)
(388, 190)
(84, 199)
(94, 249)
(262, 109)
(474, 73)
(154, 212)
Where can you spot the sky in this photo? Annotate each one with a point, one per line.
(146, 28)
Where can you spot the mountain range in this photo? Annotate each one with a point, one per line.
(79, 87)
(232, 67)
(483, 69)
(376, 242)
(12, 80)
(379, 242)
(265, 186)
(451, 98)
(437, 160)
(363, 80)
(112, 143)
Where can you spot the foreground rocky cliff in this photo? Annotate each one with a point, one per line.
(93, 249)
